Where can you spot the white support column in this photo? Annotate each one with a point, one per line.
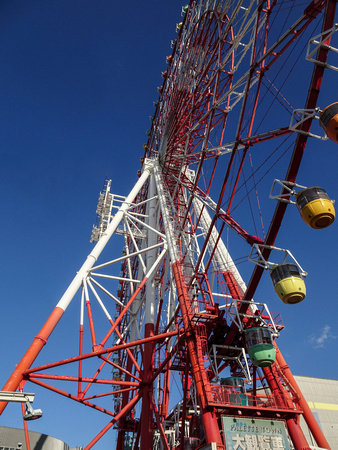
(136, 325)
(164, 201)
(151, 254)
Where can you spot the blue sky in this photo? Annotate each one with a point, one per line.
(77, 83)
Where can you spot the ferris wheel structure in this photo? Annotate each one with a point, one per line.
(174, 348)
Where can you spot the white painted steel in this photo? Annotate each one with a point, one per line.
(93, 256)
(164, 201)
(96, 295)
(145, 225)
(113, 277)
(122, 258)
(105, 291)
(134, 309)
(222, 258)
(82, 306)
(17, 397)
(131, 234)
(151, 254)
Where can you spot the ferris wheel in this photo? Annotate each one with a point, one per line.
(173, 344)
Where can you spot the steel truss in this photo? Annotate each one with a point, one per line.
(171, 307)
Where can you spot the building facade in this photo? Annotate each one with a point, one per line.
(14, 439)
(322, 397)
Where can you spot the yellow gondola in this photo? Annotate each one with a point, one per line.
(315, 207)
(288, 283)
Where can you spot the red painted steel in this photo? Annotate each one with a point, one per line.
(25, 427)
(297, 435)
(39, 341)
(202, 383)
(188, 121)
(277, 389)
(147, 390)
(123, 411)
(307, 413)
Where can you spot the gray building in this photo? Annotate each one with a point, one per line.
(14, 439)
(322, 397)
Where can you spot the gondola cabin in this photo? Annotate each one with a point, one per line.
(235, 382)
(315, 207)
(288, 283)
(259, 345)
(237, 385)
(329, 121)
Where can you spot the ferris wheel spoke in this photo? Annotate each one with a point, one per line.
(297, 154)
(226, 148)
(219, 213)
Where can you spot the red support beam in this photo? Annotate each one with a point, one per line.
(202, 383)
(123, 411)
(39, 341)
(147, 423)
(307, 413)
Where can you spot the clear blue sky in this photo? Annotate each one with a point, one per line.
(77, 82)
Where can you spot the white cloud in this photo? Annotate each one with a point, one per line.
(318, 342)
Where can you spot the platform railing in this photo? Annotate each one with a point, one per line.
(227, 395)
